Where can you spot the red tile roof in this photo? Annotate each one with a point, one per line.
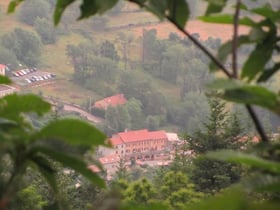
(115, 140)
(2, 66)
(115, 100)
(109, 159)
(138, 135)
(253, 139)
(94, 168)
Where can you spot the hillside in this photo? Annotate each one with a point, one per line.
(56, 61)
(178, 99)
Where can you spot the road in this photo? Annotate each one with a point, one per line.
(90, 117)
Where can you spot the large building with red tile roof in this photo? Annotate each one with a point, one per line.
(139, 143)
(113, 101)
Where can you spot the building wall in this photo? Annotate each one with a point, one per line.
(8, 90)
(146, 146)
(2, 70)
(120, 149)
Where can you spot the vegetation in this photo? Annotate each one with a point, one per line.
(25, 149)
(25, 45)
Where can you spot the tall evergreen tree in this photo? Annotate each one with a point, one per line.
(220, 132)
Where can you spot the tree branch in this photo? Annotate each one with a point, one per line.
(235, 40)
(200, 46)
(251, 111)
(257, 123)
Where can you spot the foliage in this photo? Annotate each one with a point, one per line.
(98, 112)
(46, 31)
(143, 90)
(122, 172)
(210, 175)
(91, 61)
(7, 56)
(24, 44)
(135, 111)
(30, 199)
(140, 192)
(34, 9)
(191, 113)
(117, 119)
(107, 49)
(23, 147)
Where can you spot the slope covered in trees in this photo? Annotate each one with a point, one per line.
(57, 142)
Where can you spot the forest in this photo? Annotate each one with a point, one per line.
(218, 95)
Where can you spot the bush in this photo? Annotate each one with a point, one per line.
(98, 112)
(46, 31)
(24, 44)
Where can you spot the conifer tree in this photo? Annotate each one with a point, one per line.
(221, 132)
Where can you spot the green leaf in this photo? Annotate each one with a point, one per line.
(92, 7)
(261, 55)
(222, 83)
(61, 5)
(230, 199)
(147, 206)
(12, 106)
(243, 7)
(13, 4)
(256, 95)
(267, 73)
(5, 80)
(156, 7)
(178, 12)
(248, 159)
(6, 122)
(267, 12)
(72, 162)
(44, 166)
(215, 6)
(73, 131)
(257, 34)
(54, 206)
(227, 19)
(226, 49)
(262, 182)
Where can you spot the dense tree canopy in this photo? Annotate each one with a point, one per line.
(24, 44)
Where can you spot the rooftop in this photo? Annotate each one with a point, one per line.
(109, 159)
(94, 168)
(2, 66)
(114, 100)
(137, 135)
(172, 137)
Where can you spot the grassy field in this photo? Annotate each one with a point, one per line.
(54, 56)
